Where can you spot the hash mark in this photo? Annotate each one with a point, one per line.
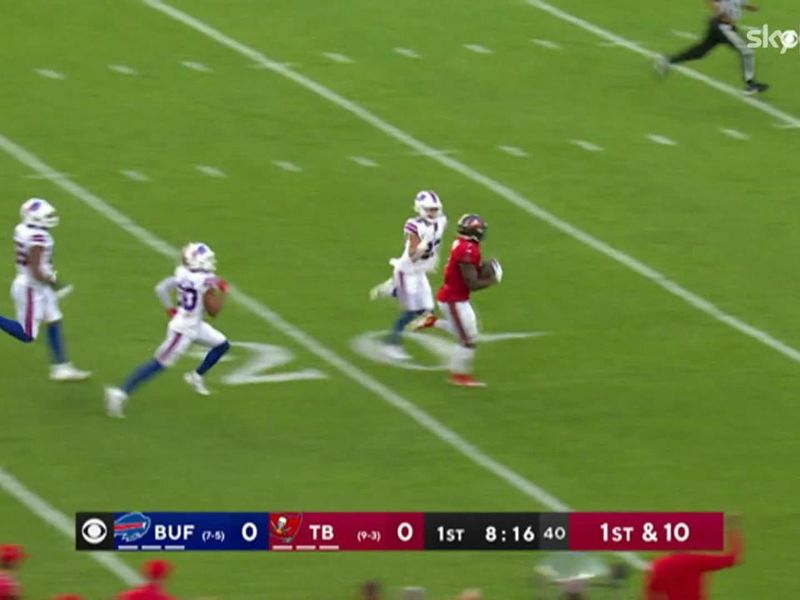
(735, 134)
(587, 145)
(134, 175)
(513, 151)
(124, 69)
(687, 35)
(210, 171)
(478, 49)
(50, 74)
(287, 166)
(196, 66)
(407, 52)
(364, 162)
(661, 139)
(339, 58)
(546, 44)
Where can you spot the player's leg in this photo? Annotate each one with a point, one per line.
(167, 353)
(408, 295)
(219, 345)
(61, 369)
(748, 58)
(465, 323)
(385, 289)
(711, 39)
(427, 318)
(25, 327)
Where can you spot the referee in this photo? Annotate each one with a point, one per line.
(721, 30)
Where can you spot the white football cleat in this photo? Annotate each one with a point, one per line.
(384, 289)
(395, 352)
(115, 402)
(195, 380)
(68, 372)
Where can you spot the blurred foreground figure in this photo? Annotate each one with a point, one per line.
(682, 576)
(155, 571)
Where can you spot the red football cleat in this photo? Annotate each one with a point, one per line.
(465, 380)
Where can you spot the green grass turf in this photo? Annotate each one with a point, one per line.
(634, 400)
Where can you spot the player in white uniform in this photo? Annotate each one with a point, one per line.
(198, 291)
(34, 288)
(409, 282)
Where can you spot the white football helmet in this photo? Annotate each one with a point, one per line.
(38, 213)
(427, 205)
(197, 256)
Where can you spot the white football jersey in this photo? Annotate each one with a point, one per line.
(432, 230)
(27, 237)
(730, 9)
(190, 289)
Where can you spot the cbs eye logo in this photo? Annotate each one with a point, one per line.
(94, 531)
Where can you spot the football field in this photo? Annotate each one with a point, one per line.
(642, 351)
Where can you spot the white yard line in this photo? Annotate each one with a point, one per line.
(364, 161)
(134, 175)
(50, 74)
(478, 49)
(408, 53)
(123, 69)
(303, 339)
(49, 176)
(735, 134)
(64, 524)
(546, 44)
(500, 189)
(513, 151)
(661, 139)
(287, 166)
(196, 66)
(210, 171)
(587, 145)
(617, 40)
(339, 58)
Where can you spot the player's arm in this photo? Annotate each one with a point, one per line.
(418, 246)
(39, 270)
(733, 556)
(164, 289)
(472, 278)
(214, 298)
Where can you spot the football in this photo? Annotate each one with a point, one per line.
(485, 270)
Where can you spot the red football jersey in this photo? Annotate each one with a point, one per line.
(455, 289)
(681, 576)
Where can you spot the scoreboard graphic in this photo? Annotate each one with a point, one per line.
(397, 531)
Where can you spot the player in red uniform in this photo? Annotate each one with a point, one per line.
(681, 576)
(155, 571)
(11, 556)
(465, 273)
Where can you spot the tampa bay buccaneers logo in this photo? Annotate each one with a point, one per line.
(284, 526)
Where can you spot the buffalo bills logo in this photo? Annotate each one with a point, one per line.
(132, 527)
(34, 205)
(285, 526)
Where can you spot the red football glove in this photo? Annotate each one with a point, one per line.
(171, 312)
(222, 285)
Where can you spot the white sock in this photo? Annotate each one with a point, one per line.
(462, 359)
(445, 325)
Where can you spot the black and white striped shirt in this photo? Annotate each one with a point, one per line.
(731, 10)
